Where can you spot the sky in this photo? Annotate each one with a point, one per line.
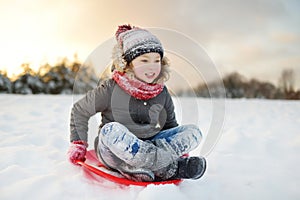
(256, 38)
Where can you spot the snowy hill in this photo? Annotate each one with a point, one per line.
(257, 156)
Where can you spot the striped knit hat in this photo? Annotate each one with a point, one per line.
(135, 41)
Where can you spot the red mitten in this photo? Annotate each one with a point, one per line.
(77, 151)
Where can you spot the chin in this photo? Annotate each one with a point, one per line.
(150, 81)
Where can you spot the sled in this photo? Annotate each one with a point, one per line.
(92, 164)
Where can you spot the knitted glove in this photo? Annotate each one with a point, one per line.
(77, 151)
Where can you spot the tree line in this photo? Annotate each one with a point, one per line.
(237, 86)
(63, 78)
(74, 78)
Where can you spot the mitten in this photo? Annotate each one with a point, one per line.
(77, 151)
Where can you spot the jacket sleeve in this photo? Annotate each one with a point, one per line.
(94, 101)
(171, 121)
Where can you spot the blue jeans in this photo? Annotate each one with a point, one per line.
(117, 147)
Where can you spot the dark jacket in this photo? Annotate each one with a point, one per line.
(143, 118)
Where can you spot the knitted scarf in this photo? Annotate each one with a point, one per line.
(137, 88)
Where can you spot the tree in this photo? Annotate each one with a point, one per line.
(287, 84)
(5, 83)
(234, 85)
(287, 80)
(27, 69)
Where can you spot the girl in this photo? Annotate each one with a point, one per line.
(139, 135)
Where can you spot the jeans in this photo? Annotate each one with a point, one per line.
(118, 148)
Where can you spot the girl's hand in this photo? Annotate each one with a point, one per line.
(77, 151)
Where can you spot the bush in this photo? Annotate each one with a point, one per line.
(28, 84)
(5, 84)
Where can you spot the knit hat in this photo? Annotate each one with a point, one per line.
(134, 41)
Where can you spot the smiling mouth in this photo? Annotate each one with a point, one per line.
(150, 75)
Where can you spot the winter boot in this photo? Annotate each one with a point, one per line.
(190, 168)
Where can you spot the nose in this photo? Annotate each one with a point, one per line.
(154, 65)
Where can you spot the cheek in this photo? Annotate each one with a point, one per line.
(139, 71)
(157, 69)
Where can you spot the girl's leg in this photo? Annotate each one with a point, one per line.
(118, 145)
(180, 140)
(122, 150)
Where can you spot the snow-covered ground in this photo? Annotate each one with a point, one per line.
(257, 156)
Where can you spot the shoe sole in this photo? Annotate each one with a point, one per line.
(203, 169)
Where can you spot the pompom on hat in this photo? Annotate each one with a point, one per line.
(132, 42)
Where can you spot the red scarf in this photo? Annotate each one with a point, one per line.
(136, 88)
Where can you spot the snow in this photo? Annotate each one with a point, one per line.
(255, 158)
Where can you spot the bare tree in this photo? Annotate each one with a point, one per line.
(287, 80)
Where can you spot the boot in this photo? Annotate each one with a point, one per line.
(190, 168)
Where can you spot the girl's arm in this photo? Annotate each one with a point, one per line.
(94, 101)
(171, 118)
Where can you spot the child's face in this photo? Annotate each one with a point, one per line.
(147, 67)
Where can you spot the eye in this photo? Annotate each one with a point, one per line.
(157, 61)
(144, 60)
